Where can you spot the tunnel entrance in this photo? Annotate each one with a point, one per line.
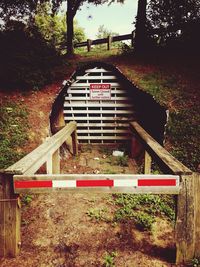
(103, 102)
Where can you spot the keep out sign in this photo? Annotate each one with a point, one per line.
(100, 91)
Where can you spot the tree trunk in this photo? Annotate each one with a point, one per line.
(140, 31)
(70, 28)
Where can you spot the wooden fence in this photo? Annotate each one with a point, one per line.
(109, 40)
(21, 177)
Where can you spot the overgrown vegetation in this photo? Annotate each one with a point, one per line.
(13, 133)
(143, 208)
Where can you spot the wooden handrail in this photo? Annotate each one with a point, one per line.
(154, 148)
(34, 160)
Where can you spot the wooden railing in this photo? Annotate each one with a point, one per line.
(10, 215)
(109, 40)
(23, 172)
(187, 228)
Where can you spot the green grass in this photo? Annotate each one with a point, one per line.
(13, 133)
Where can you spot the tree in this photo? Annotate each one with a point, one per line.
(26, 9)
(175, 20)
(53, 27)
(140, 27)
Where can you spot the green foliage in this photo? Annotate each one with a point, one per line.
(109, 259)
(53, 27)
(26, 199)
(13, 133)
(184, 130)
(118, 161)
(195, 262)
(143, 208)
(97, 213)
(27, 62)
(144, 221)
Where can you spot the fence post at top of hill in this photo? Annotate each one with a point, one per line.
(109, 42)
(89, 45)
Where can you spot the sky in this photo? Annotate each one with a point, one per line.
(116, 17)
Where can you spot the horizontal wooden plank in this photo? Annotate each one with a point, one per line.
(81, 85)
(125, 137)
(103, 131)
(75, 98)
(123, 190)
(96, 77)
(119, 181)
(97, 118)
(171, 162)
(31, 162)
(93, 104)
(110, 124)
(97, 111)
(97, 70)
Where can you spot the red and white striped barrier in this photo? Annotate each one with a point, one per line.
(135, 181)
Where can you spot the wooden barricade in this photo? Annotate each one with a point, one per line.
(180, 181)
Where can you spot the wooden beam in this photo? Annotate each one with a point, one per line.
(124, 183)
(34, 160)
(75, 143)
(10, 218)
(197, 214)
(147, 163)
(153, 146)
(56, 162)
(187, 222)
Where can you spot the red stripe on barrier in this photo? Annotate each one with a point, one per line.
(91, 183)
(154, 182)
(32, 184)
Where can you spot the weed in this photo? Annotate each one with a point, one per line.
(97, 213)
(109, 259)
(13, 133)
(142, 208)
(144, 221)
(26, 199)
(118, 161)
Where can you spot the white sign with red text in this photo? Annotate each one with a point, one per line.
(100, 91)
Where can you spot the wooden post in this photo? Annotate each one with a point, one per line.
(56, 162)
(133, 38)
(147, 163)
(197, 214)
(89, 44)
(109, 42)
(10, 218)
(75, 143)
(188, 222)
(53, 163)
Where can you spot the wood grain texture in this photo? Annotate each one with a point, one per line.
(34, 160)
(185, 221)
(172, 163)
